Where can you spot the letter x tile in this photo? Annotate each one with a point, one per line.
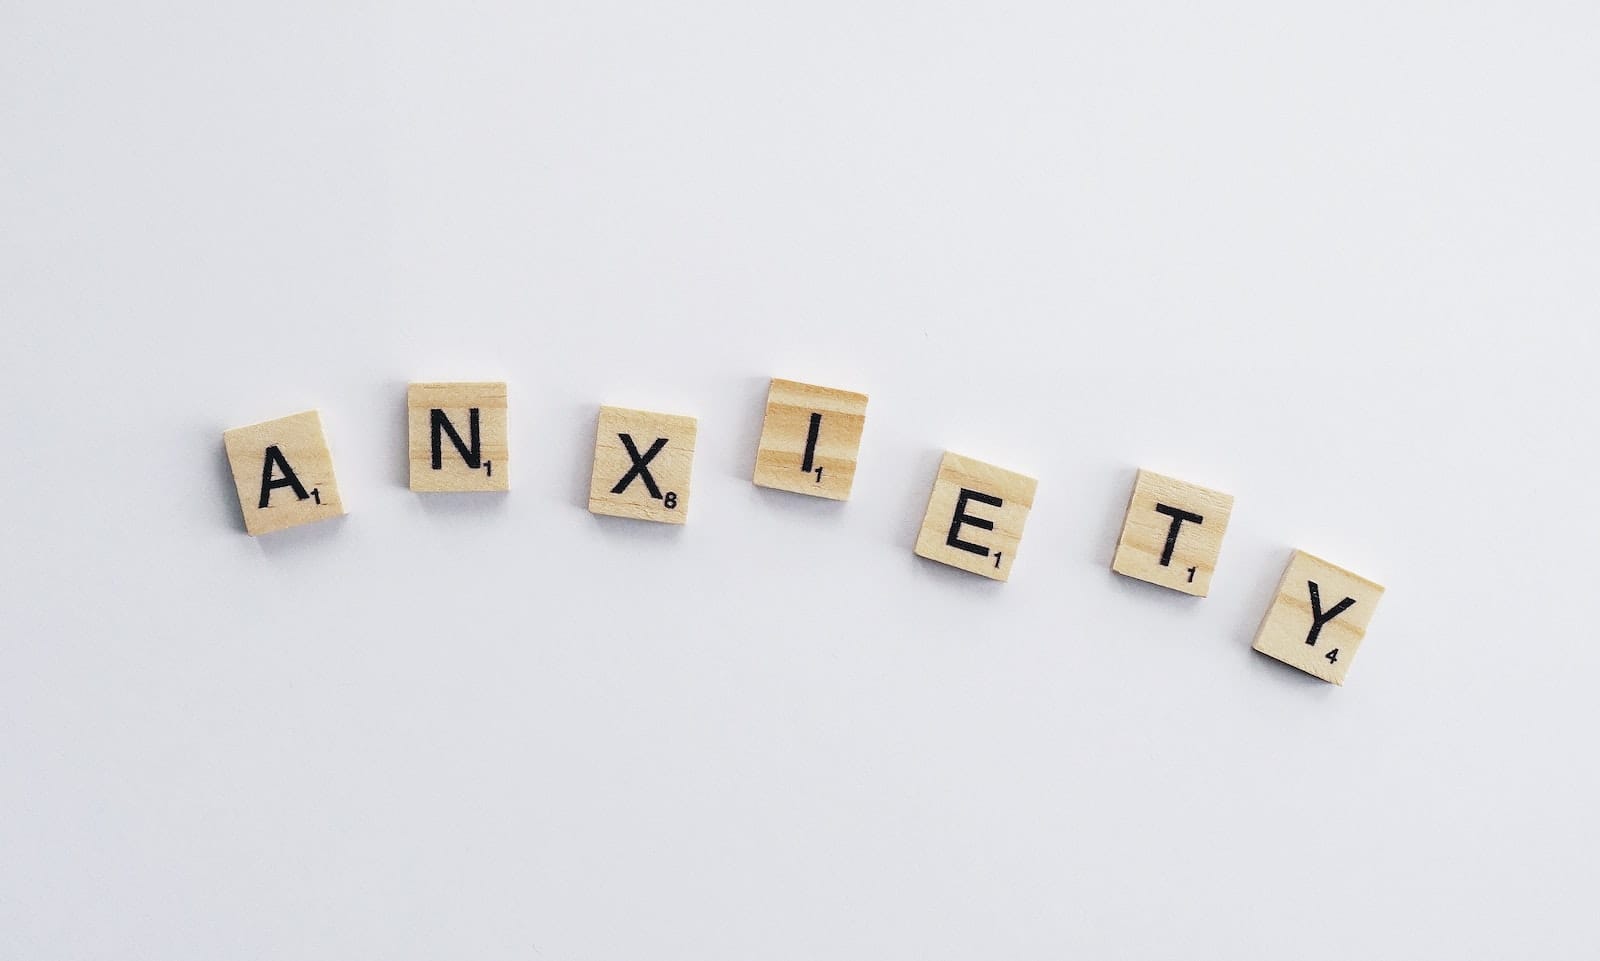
(642, 463)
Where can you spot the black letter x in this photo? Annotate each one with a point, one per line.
(639, 468)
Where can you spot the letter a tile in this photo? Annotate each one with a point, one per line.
(458, 437)
(642, 463)
(975, 516)
(1172, 534)
(284, 473)
(810, 439)
(1318, 617)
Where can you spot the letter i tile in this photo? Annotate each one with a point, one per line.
(810, 439)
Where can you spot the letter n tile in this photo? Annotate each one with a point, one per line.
(457, 437)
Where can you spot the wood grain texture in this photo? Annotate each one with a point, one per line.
(1312, 591)
(287, 463)
(486, 464)
(1172, 534)
(786, 457)
(969, 544)
(668, 470)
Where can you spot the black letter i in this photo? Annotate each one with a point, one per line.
(811, 444)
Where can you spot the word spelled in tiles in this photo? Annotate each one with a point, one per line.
(457, 435)
(1172, 535)
(283, 471)
(1318, 617)
(810, 443)
(642, 463)
(810, 440)
(975, 516)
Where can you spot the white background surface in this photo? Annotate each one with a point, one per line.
(1336, 259)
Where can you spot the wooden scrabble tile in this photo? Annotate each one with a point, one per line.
(975, 516)
(284, 473)
(1172, 533)
(458, 437)
(1318, 617)
(810, 439)
(642, 463)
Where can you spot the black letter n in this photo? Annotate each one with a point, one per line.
(274, 457)
(472, 454)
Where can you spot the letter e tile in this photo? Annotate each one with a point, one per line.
(975, 516)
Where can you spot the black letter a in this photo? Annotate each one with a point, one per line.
(274, 456)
